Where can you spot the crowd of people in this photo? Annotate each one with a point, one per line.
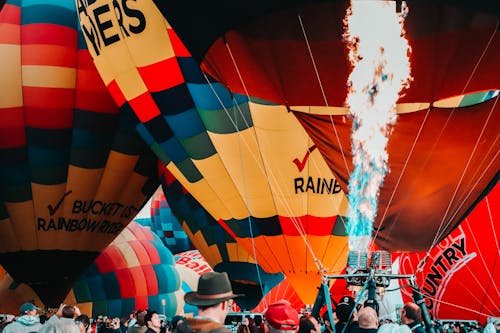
(213, 298)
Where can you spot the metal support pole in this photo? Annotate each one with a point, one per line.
(319, 302)
(420, 301)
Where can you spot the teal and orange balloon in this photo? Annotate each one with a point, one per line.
(73, 171)
(249, 163)
(217, 247)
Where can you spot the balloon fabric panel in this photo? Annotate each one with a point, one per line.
(427, 177)
(458, 278)
(238, 173)
(72, 162)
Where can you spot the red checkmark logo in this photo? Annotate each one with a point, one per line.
(301, 164)
(54, 209)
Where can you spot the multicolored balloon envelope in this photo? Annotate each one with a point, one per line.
(73, 171)
(441, 158)
(249, 163)
(136, 271)
(166, 225)
(190, 265)
(218, 248)
(459, 277)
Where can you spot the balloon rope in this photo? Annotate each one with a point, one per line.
(313, 60)
(294, 220)
(485, 265)
(441, 228)
(237, 130)
(271, 175)
(247, 204)
(322, 90)
(439, 301)
(464, 171)
(403, 170)
(443, 224)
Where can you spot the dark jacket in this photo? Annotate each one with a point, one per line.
(198, 325)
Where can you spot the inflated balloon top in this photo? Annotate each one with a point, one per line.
(73, 171)
(136, 271)
(248, 163)
(443, 149)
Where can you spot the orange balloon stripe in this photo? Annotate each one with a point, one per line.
(48, 55)
(10, 33)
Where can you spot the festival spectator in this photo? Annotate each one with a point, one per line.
(62, 321)
(137, 323)
(367, 321)
(27, 322)
(213, 297)
(309, 324)
(346, 314)
(153, 322)
(281, 317)
(83, 323)
(410, 315)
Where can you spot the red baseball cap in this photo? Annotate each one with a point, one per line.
(282, 316)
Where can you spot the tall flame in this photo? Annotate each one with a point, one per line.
(379, 54)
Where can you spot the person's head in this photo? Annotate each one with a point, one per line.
(152, 320)
(99, 320)
(83, 322)
(176, 321)
(29, 309)
(367, 318)
(140, 318)
(309, 324)
(345, 309)
(410, 313)
(281, 317)
(68, 311)
(213, 296)
(326, 320)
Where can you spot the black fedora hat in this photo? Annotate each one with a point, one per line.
(213, 288)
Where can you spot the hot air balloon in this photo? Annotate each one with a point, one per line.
(166, 225)
(249, 163)
(73, 171)
(441, 158)
(218, 248)
(136, 271)
(190, 265)
(458, 276)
